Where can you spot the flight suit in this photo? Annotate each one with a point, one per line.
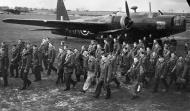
(14, 64)
(19, 49)
(85, 66)
(44, 50)
(92, 48)
(51, 59)
(134, 74)
(116, 48)
(68, 71)
(36, 65)
(141, 45)
(25, 67)
(4, 64)
(179, 67)
(60, 68)
(107, 48)
(166, 54)
(126, 61)
(91, 71)
(186, 71)
(157, 49)
(143, 75)
(78, 65)
(112, 70)
(103, 80)
(152, 65)
(171, 73)
(160, 75)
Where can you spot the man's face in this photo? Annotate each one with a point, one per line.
(34, 48)
(14, 47)
(148, 49)
(161, 59)
(114, 40)
(60, 50)
(75, 50)
(68, 51)
(188, 52)
(92, 42)
(28, 45)
(135, 60)
(180, 58)
(153, 54)
(172, 55)
(98, 46)
(19, 41)
(134, 44)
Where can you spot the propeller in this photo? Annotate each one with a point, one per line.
(161, 13)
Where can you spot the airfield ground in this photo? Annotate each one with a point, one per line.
(46, 96)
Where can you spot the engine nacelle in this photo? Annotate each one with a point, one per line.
(120, 22)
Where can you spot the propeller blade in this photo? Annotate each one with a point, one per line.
(127, 9)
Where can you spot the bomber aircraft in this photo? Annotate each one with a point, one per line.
(137, 25)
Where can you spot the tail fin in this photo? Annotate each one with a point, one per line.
(188, 1)
(61, 11)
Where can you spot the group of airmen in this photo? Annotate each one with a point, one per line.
(143, 64)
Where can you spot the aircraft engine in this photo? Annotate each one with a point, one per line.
(121, 22)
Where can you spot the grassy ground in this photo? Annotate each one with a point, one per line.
(46, 96)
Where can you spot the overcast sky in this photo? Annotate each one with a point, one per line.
(105, 5)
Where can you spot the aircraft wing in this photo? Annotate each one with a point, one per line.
(57, 24)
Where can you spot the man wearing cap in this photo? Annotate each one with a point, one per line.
(134, 73)
(4, 63)
(106, 46)
(85, 57)
(68, 70)
(160, 75)
(170, 66)
(51, 59)
(44, 50)
(91, 71)
(78, 64)
(186, 71)
(150, 40)
(116, 47)
(60, 61)
(92, 47)
(178, 72)
(25, 66)
(103, 79)
(36, 64)
(14, 62)
(125, 63)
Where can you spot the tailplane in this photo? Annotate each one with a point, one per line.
(61, 11)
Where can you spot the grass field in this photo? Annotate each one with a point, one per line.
(46, 96)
